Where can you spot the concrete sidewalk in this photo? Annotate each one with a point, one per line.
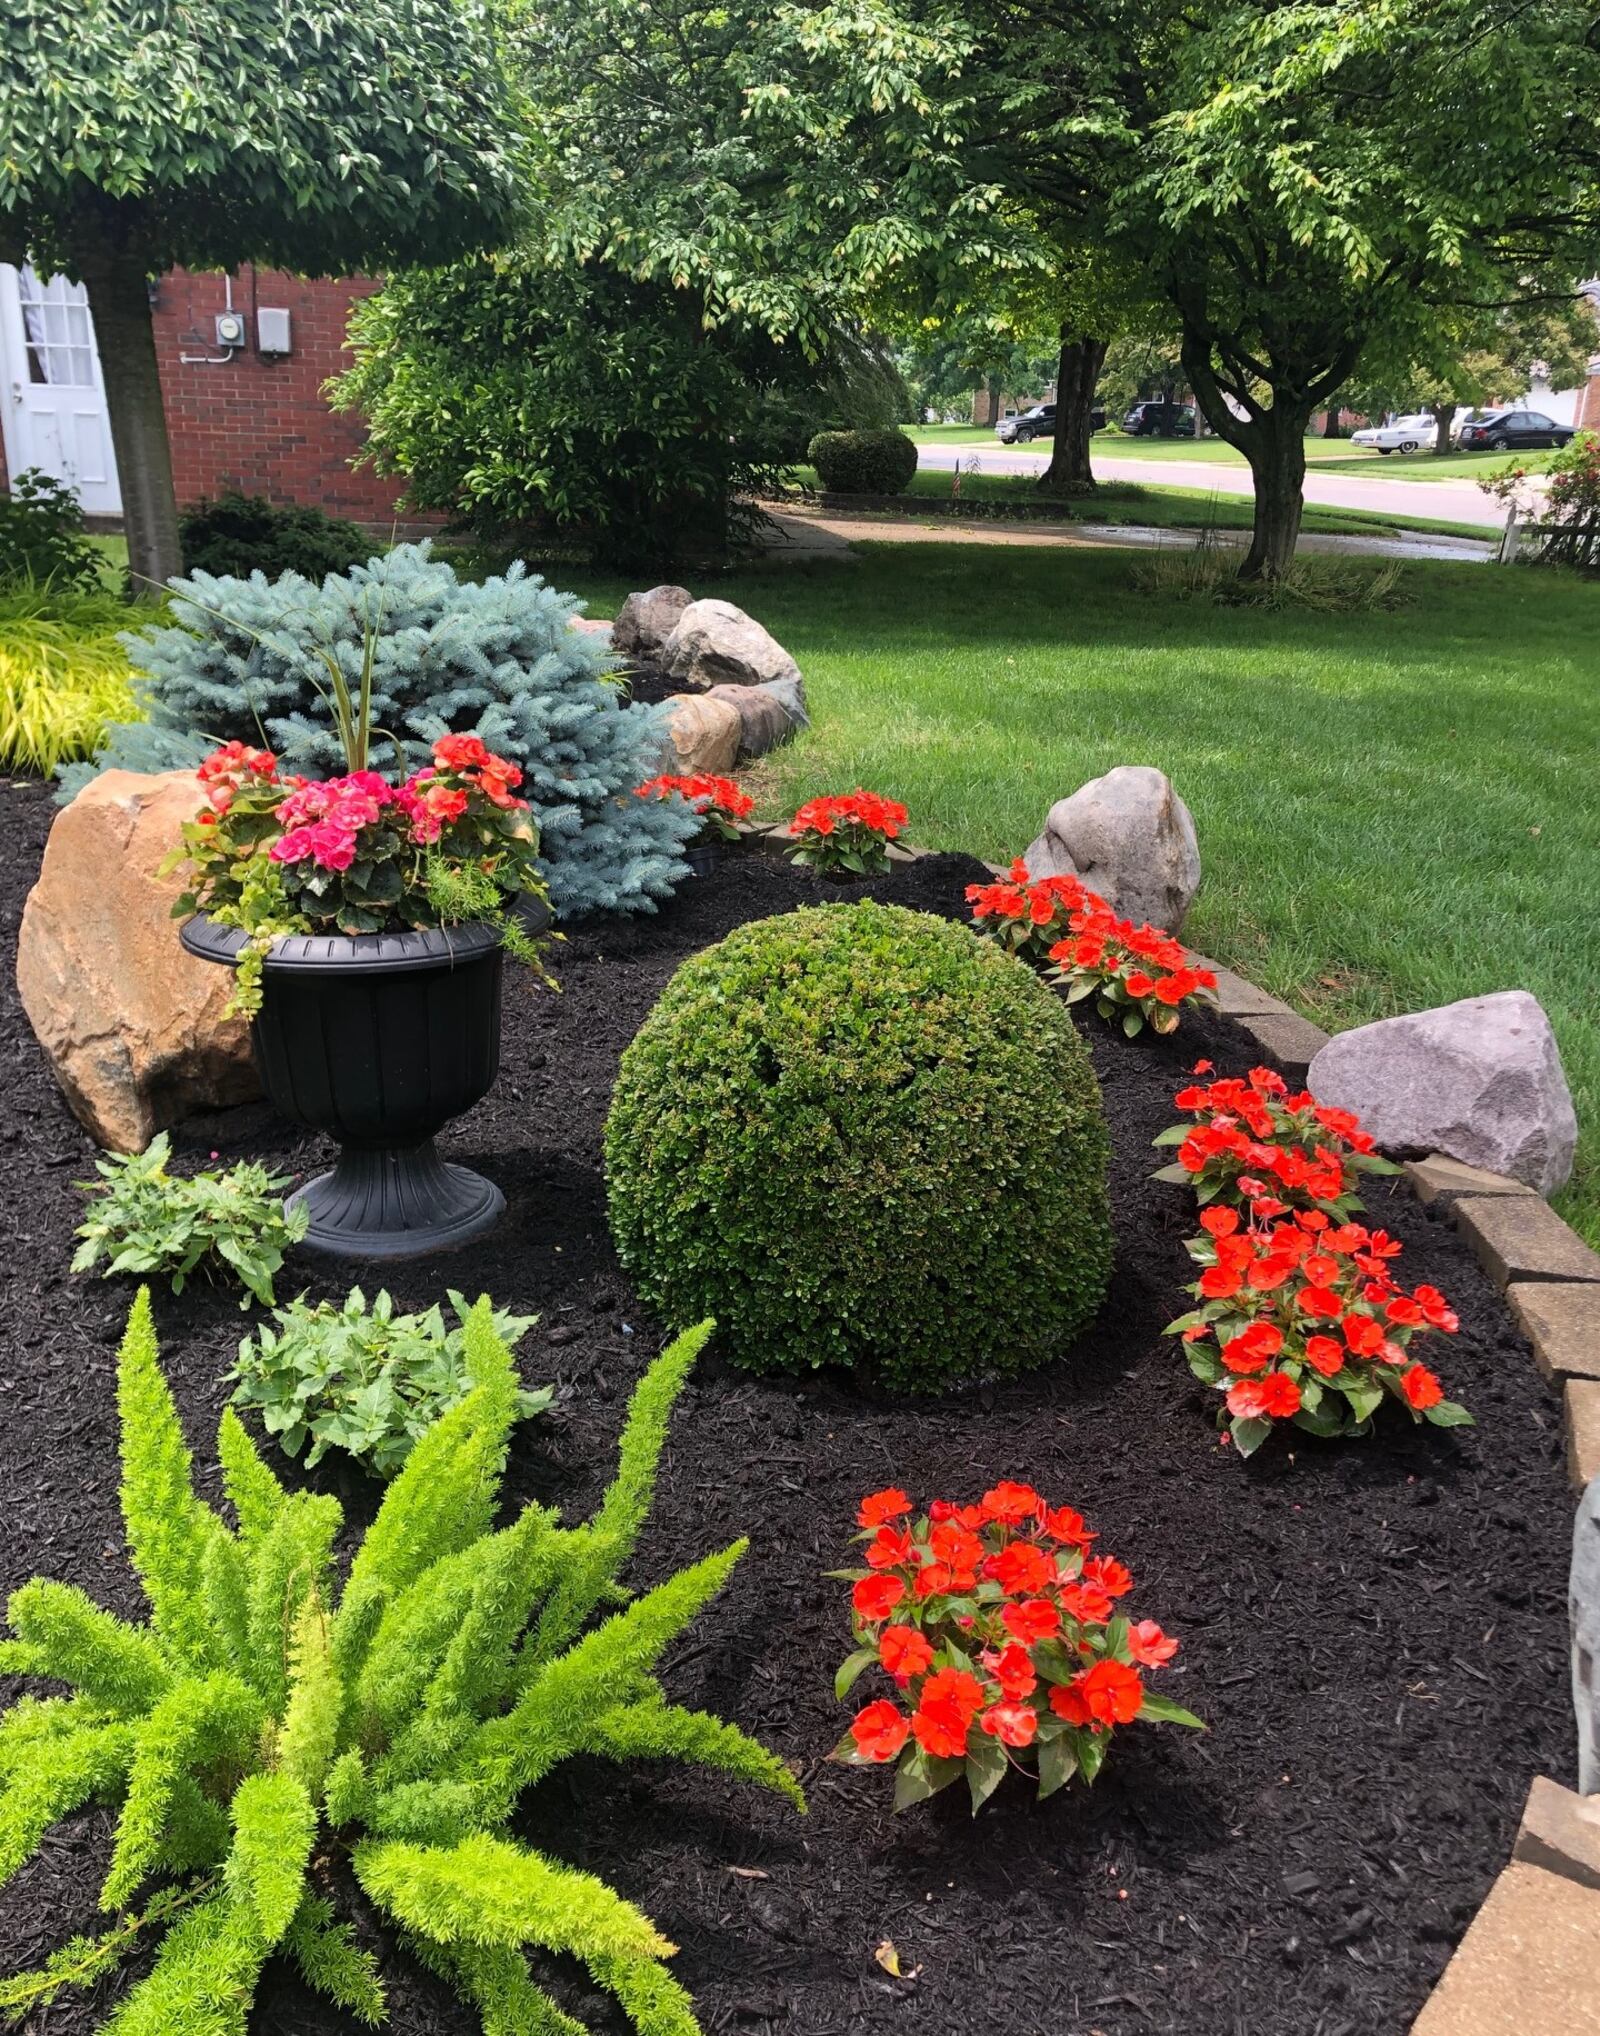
(813, 533)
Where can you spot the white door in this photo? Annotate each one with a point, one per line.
(53, 402)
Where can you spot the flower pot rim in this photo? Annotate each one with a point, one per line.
(328, 954)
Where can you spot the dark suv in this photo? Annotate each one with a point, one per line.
(1161, 418)
(1039, 422)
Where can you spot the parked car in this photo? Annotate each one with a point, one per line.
(1161, 418)
(1040, 422)
(1502, 430)
(1402, 434)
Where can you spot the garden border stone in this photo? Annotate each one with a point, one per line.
(1527, 1964)
(1561, 1319)
(1560, 1831)
(1581, 1408)
(1521, 1237)
(1440, 1178)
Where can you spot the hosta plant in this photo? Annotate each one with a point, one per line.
(1254, 1142)
(846, 834)
(363, 1379)
(719, 802)
(1137, 975)
(1303, 1321)
(1000, 1635)
(141, 1219)
(272, 1727)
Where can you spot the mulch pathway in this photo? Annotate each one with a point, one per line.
(1375, 1631)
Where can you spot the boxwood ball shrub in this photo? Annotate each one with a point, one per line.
(863, 462)
(875, 1139)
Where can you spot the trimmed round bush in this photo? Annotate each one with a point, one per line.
(861, 1135)
(863, 462)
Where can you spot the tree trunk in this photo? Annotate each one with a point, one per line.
(1276, 449)
(1330, 421)
(1077, 372)
(1445, 417)
(119, 298)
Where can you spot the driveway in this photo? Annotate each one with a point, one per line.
(1439, 501)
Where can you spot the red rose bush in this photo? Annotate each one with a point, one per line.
(1138, 975)
(846, 834)
(718, 801)
(1299, 1317)
(1252, 1141)
(1001, 1637)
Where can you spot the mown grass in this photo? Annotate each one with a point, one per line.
(1394, 810)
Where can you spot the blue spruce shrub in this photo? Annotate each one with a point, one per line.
(239, 658)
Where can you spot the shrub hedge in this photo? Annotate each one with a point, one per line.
(863, 462)
(875, 1139)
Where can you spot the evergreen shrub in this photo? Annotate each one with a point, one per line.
(876, 1138)
(267, 1730)
(864, 462)
(239, 660)
(238, 535)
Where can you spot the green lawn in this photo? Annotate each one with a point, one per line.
(1394, 810)
(1320, 452)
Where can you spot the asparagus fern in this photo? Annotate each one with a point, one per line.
(267, 1725)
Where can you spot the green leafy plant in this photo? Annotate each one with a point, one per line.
(243, 534)
(42, 539)
(363, 1379)
(876, 1139)
(269, 1729)
(141, 1219)
(63, 674)
(863, 462)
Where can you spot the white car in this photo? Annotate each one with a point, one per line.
(1405, 434)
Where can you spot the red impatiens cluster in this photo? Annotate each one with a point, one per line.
(1001, 1635)
(846, 833)
(718, 801)
(1138, 974)
(1251, 1141)
(1300, 1317)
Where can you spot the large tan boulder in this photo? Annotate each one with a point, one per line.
(132, 1026)
(705, 734)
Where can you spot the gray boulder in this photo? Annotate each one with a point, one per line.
(769, 714)
(1129, 837)
(791, 696)
(1480, 1081)
(716, 644)
(645, 621)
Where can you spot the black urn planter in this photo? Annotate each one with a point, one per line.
(705, 856)
(379, 1039)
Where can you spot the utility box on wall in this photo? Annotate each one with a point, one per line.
(272, 332)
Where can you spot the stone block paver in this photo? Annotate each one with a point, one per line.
(1561, 1319)
(1236, 997)
(1290, 1039)
(1529, 1965)
(1560, 1832)
(1439, 1176)
(1582, 1398)
(1521, 1237)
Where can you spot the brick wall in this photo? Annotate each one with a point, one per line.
(256, 422)
(1588, 413)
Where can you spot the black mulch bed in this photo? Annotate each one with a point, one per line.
(1374, 1631)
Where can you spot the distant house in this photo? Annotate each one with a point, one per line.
(243, 359)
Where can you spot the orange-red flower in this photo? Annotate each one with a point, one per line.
(904, 1652)
(1149, 1645)
(1033, 1620)
(1109, 1693)
(875, 1597)
(877, 1507)
(880, 1730)
(1011, 1724)
(1420, 1387)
